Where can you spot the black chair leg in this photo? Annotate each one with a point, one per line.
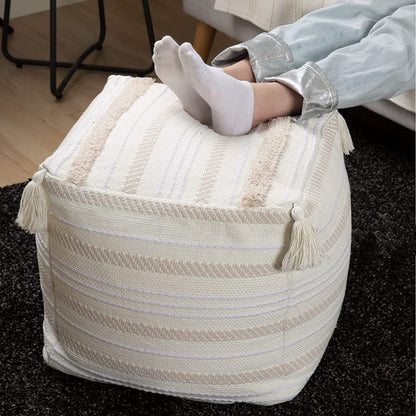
(9, 28)
(78, 64)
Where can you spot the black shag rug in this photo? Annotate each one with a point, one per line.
(368, 368)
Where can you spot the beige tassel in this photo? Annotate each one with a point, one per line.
(345, 136)
(33, 212)
(304, 250)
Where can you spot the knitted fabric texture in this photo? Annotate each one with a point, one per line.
(268, 14)
(161, 255)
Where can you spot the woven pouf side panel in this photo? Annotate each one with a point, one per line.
(162, 308)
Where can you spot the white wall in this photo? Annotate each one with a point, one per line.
(24, 7)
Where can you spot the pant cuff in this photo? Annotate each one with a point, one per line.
(319, 94)
(268, 54)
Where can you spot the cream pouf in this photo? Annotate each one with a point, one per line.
(178, 261)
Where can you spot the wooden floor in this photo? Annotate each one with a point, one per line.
(32, 121)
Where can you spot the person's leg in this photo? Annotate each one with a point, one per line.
(236, 105)
(241, 70)
(269, 100)
(231, 101)
(311, 38)
(169, 69)
(381, 65)
(273, 99)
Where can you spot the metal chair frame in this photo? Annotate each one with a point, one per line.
(57, 90)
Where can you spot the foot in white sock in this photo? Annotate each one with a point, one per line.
(231, 100)
(169, 69)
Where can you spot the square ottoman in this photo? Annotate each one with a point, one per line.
(179, 261)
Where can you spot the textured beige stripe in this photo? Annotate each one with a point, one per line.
(340, 226)
(92, 145)
(281, 370)
(264, 169)
(160, 265)
(329, 134)
(188, 335)
(209, 177)
(179, 267)
(151, 135)
(166, 209)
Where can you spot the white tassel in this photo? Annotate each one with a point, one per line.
(33, 212)
(304, 249)
(346, 140)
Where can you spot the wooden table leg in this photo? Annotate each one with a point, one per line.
(204, 38)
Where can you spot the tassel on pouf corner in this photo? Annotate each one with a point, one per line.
(304, 249)
(345, 136)
(33, 211)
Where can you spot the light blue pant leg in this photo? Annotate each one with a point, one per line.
(381, 65)
(311, 38)
(317, 34)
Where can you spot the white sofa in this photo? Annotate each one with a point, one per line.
(399, 109)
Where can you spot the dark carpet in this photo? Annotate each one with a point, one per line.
(368, 368)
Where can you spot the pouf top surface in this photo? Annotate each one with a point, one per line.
(135, 139)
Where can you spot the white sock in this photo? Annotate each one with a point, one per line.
(169, 69)
(231, 100)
